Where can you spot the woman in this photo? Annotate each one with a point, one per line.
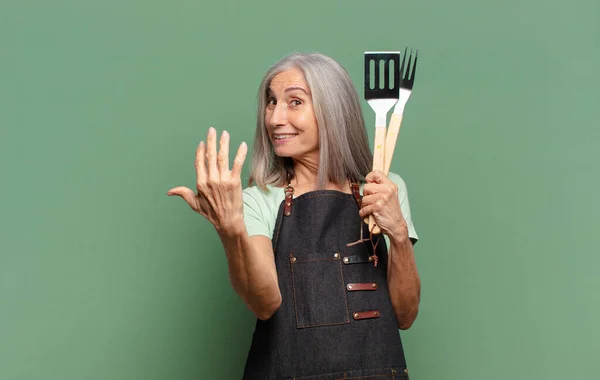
(294, 241)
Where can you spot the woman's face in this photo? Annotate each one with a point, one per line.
(289, 117)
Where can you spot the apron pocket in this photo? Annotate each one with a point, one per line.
(319, 292)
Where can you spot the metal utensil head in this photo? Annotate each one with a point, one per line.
(408, 73)
(381, 75)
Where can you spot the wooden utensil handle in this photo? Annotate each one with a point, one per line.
(390, 141)
(379, 149)
(378, 164)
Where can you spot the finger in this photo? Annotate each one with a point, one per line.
(188, 195)
(370, 188)
(365, 211)
(370, 199)
(374, 209)
(223, 155)
(376, 176)
(211, 154)
(200, 163)
(238, 162)
(373, 188)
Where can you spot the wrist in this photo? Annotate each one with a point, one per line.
(399, 234)
(231, 229)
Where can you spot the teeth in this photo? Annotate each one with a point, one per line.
(282, 137)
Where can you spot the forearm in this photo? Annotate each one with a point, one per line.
(403, 279)
(252, 273)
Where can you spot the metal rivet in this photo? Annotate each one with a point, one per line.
(293, 259)
(336, 255)
(370, 258)
(376, 314)
(393, 371)
(346, 260)
(288, 204)
(374, 286)
(405, 370)
(349, 286)
(288, 213)
(355, 315)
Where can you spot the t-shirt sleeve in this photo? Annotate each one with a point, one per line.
(404, 205)
(255, 206)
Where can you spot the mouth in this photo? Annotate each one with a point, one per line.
(284, 136)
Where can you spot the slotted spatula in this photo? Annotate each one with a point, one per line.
(381, 92)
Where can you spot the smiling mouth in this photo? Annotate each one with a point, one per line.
(286, 136)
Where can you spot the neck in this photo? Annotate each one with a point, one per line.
(306, 172)
(306, 178)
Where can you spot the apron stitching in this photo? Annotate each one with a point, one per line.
(326, 324)
(367, 377)
(344, 288)
(325, 259)
(277, 230)
(294, 290)
(340, 195)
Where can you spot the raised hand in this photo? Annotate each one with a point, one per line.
(381, 200)
(219, 190)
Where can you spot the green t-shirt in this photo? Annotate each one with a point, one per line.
(261, 208)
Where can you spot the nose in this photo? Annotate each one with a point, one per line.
(278, 116)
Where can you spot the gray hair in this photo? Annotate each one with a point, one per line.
(343, 141)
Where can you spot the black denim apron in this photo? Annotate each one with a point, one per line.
(336, 319)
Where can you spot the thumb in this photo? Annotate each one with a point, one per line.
(376, 176)
(188, 195)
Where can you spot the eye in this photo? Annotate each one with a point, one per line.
(295, 102)
(272, 101)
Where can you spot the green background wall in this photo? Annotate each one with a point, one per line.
(102, 103)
